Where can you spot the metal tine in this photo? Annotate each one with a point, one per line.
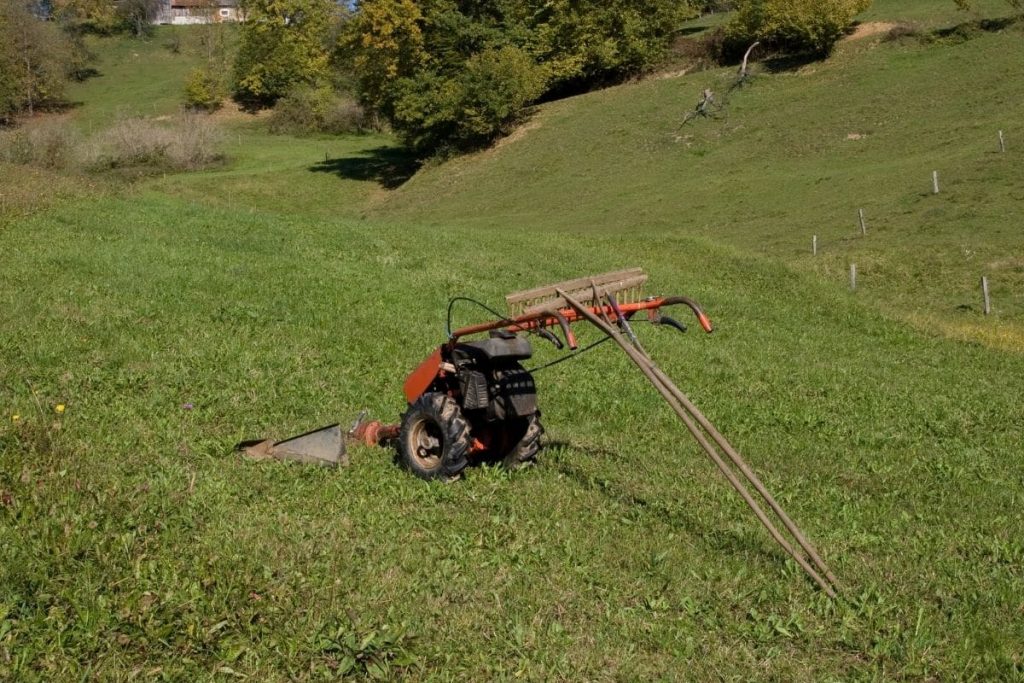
(529, 300)
(643, 362)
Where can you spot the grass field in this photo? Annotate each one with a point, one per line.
(290, 288)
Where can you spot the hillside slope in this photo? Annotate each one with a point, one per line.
(145, 328)
(793, 155)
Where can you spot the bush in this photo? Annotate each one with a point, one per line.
(701, 52)
(50, 146)
(189, 144)
(794, 26)
(204, 91)
(317, 110)
(453, 76)
(437, 113)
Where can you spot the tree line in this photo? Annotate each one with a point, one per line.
(445, 75)
(452, 75)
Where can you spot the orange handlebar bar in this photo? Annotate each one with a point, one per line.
(565, 317)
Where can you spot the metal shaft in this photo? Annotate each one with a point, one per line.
(652, 373)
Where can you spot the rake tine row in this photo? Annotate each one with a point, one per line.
(691, 417)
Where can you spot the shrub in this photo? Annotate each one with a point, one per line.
(793, 26)
(701, 52)
(188, 145)
(50, 146)
(204, 91)
(439, 113)
(309, 109)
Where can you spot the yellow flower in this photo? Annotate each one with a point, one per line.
(59, 408)
(15, 418)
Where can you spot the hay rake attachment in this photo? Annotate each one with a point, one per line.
(473, 401)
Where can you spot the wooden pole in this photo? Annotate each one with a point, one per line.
(1002, 142)
(984, 295)
(652, 373)
(814, 245)
(747, 472)
(863, 226)
(935, 182)
(853, 276)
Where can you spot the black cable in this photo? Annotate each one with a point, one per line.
(568, 357)
(451, 304)
(505, 321)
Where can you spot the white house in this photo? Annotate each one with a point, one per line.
(180, 12)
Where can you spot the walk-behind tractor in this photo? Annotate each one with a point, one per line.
(472, 400)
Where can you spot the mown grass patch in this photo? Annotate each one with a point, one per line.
(135, 538)
(290, 289)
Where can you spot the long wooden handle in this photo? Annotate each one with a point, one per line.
(652, 374)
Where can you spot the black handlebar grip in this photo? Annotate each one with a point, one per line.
(551, 338)
(671, 322)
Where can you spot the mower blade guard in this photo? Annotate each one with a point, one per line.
(324, 446)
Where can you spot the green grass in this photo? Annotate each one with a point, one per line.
(181, 314)
(931, 12)
(780, 167)
(136, 77)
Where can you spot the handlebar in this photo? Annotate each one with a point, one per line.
(564, 317)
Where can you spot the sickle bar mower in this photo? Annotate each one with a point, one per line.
(473, 401)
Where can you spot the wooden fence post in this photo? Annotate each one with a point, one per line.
(853, 276)
(1002, 142)
(863, 226)
(814, 245)
(935, 182)
(984, 295)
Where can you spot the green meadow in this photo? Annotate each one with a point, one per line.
(149, 323)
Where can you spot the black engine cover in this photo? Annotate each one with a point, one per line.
(492, 380)
(513, 394)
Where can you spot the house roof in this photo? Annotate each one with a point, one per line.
(203, 4)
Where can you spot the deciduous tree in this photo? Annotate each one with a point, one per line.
(283, 44)
(138, 15)
(453, 74)
(34, 61)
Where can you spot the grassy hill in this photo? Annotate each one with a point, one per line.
(793, 155)
(299, 283)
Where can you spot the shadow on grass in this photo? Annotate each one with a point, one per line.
(690, 30)
(390, 167)
(971, 29)
(715, 539)
(782, 62)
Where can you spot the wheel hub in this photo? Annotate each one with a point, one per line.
(428, 444)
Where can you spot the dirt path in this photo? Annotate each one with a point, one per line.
(870, 28)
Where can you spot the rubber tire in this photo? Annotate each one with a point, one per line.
(524, 453)
(439, 414)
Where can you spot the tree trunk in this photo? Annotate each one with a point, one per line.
(29, 84)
